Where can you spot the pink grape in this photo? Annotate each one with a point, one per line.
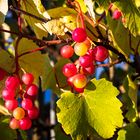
(11, 104)
(32, 90)
(69, 69)
(26, 104)
(116, 14)
(33, 113)
(25, 123)
(8, 94)
(79, 35)
(27, 78)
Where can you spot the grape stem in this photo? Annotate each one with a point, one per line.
(19, 17)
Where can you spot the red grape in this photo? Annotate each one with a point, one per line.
(32, 90)
(25, 123)
(79, 90)
(8, 94)
(33, 113)
(116, 14)
(12, 82)
(101, 53)
(27, 78)
(79, 35)
(26, 104)
(67, 51)
(85, 60)
(11, 104)
(89, 70)
(69, 70)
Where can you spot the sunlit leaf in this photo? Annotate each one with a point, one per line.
(97, 108)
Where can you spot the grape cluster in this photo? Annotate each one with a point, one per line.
(77, 72)
(23, 111)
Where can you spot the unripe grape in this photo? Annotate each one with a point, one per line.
(8, 94)
(70, 80)
(85, 60)
(101, 53)
(26, 104)
(18, 113)
(12, 82)
(3, 73)
(69, 69)
(80, 81)
(33, 113)
(79, 35)
(116, 14)
(11, 104)
(32, 90)
(80, 49)
(14, 124)
(27, 78)
(25, 123)
(67, 51)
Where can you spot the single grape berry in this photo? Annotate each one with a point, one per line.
(79, 35)
(85, 60)
(25, 123)
(69, 69)
(27, 78)
(11, 104)
(3, 73)
(67, 51)
(26, 104)
(14, 124)
(18, 113)
(80, 49)
(8, 94)
(33, 113)
(80, 81)
(79, 90)
(88, 70)
(116, 14)
(32, 90)
(12, 82)
(101, 53)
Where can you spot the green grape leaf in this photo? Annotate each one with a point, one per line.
(6, 61)
(6, 132)
(37, 25)
(56, 77)
(131, 15)
(130, 98)
(122, 39)
(129, 132)
(3, 10)
(41, 9)
(63, 11)
(36, 63)
(97, 108)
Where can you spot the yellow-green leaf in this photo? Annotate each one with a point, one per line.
(97, 108)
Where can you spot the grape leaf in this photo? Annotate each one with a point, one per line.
(6, 132)
(96, 108)
(130, 99)
(30, 7)
(36, 63)
(6, 61)
(56, 77)
(130, 132)
(3, 10)
(41, 9)
(122, 38)
(131, 15)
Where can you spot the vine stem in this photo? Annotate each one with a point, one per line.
(19, 17)
(80, 14)
(19, 11)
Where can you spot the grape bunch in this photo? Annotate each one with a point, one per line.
(77, 73)
(23, 110)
